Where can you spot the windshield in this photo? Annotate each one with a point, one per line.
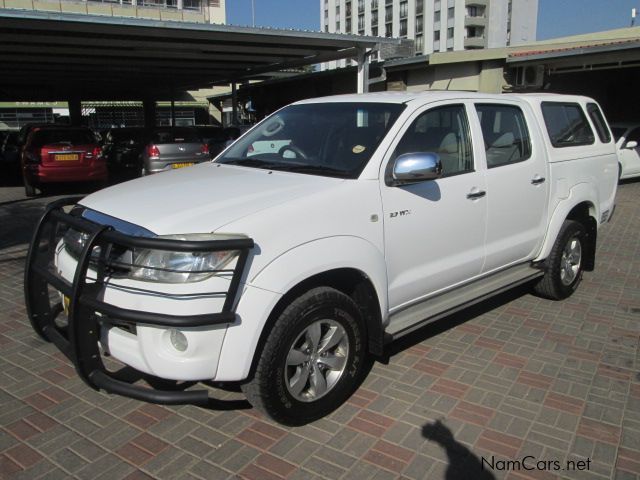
(51, 136)
(331, 139)
(176, 135)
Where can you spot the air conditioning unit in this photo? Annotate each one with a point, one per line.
(531, 76)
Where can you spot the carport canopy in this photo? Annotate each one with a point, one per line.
(52, 55)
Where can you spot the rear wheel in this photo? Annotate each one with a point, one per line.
(564, 266)
(312, 360)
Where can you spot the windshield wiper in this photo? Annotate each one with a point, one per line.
(315, 169)
(250, 162)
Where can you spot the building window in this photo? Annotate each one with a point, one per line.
(360, 22)
(374, 18)
(374, 5)
(419, 24)
(475, 32)
(436, 16)
(337, 10)
(347, 9)
(436, 36)
(360, 6)
(403, 28)
(191, 5)
(347, 25)
(404, 9)
(374, 31)
(158, 3)
(450, 32)
(388, 30)
(388, 14)
(337, 25)
(451, 12)
(419, 6)
(419, 44)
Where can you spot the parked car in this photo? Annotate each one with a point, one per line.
(627, 137)
(173, 147)
(53, 154)
(9, 149)
(122, 149)
(286, 270)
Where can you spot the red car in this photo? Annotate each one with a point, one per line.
(61, 154)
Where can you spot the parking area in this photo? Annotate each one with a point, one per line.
(516, 387)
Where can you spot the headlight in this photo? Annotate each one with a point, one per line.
(181, 267)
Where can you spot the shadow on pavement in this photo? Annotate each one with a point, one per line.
(463, 463)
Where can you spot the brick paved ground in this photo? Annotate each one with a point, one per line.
(516, 376)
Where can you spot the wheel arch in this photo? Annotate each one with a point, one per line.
(581, 209)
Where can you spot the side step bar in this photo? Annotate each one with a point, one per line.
(439, 306)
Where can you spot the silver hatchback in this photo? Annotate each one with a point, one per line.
(170, 148)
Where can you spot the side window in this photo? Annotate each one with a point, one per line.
(505, 133)
(599, 122)
(566, 124)
(445, 131)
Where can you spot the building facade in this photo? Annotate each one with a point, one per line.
(198, 11)
(436, 25)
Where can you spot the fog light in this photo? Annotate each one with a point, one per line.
(178, 340)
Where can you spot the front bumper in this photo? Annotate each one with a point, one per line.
(88, 311)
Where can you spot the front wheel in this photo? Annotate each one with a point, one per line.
(564, 266)
(312, 360)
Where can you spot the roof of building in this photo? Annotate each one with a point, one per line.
(101, 57)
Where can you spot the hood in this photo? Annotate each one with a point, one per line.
(202, 198)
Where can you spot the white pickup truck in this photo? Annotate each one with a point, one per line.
(285, 269)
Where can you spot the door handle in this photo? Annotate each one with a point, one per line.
(475, 195)
(537, 180)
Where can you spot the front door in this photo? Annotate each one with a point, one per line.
(434, 230)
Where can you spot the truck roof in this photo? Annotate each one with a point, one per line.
(436, 95)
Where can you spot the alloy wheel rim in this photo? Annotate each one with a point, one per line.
(316, 360)
(570, 261)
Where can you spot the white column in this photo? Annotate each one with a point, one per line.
(363, 71)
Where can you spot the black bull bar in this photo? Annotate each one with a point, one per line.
(79, 340)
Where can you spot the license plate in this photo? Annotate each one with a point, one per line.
(67, 157)
(182, 165)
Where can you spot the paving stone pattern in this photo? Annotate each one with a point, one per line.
(514, 377)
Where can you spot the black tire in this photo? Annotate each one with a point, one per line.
(268, 390)
(555, 284)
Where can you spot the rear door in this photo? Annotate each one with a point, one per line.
(517, 182)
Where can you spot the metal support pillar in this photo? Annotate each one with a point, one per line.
(363, 70)
(75, 111)
(173, 113)
(234, 104)
(149, 108)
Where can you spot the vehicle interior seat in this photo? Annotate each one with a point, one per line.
(503, 150)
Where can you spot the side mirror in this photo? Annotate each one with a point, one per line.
(416, 167)
(631, 144)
